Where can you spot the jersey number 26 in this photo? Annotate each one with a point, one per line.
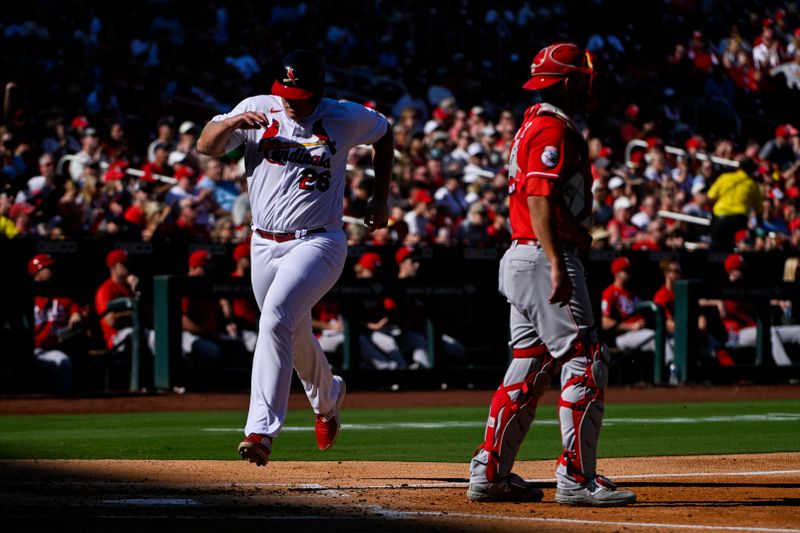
(310, 180)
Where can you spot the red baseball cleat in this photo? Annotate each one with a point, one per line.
(327, 426)
(256, 449)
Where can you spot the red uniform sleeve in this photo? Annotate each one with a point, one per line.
(185, 304)
(101, 299)
(545, 158)
(607, 304)
(662, 299)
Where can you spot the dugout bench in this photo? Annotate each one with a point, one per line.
(687, 311)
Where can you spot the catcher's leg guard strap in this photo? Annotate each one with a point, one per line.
(580, 412)
(512, 411)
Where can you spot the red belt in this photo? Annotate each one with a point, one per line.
(531, 242)
(283, 237)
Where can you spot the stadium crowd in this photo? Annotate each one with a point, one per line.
(452, 141)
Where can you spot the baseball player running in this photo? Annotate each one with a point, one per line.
(552, 327)
(296, 144)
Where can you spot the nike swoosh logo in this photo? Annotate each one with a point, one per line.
(275, 110)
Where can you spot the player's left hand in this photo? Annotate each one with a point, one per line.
(376, 215)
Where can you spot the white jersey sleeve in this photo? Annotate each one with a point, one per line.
(367, 126)
(239, 137)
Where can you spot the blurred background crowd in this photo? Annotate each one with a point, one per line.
(124, 94)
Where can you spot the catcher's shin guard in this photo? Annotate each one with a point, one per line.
(580, 412)
(513, 409)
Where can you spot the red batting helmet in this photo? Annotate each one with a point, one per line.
(40, 262)
(557, 62)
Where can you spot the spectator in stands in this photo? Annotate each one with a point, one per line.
(472, 230)
(56, 321)
(165, 138)
(419, 217)
(620, 320)
(450, 197)
(778, 151)
(224, 192)
(790, 70)
(88, 154)
(621, 232)
(735, 195)
(767, 54)
(648, 212)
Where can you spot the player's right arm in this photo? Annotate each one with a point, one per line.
(543, 221)
(214, 139)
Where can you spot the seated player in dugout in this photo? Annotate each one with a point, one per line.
(203, 333)
(58, 323)
(241, 314)
(121, 283)
(379, 339)
(620, 320)
(739, 318)
(411, 312)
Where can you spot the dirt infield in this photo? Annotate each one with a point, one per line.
(703, 493)
(720, 493)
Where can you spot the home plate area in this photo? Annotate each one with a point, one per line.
(700, 493)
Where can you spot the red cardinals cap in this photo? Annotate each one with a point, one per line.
(183, 171)
(79, 122)
(115, 172)
(632, 110)
(116, 256)
(556, 62)
(135, 215)
(693, 142)
(370, 261)
(389, 304)
(403, 253)
(301, 77)
(733, 262)
(241, 251)
(40, 262)
(199, 258)
(620, 263)
(422, 195)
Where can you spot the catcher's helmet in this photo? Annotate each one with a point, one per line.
(302, 76)
(556, 62)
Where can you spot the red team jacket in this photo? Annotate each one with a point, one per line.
(619, 304)
(108, 291)
(49, 316)
(549, 157)
(665, 299)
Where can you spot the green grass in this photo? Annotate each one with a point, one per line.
(184, 435)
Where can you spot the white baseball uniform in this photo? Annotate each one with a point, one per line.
(296, 178)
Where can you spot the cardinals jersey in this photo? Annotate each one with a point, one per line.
(296, 170)
(549, 157)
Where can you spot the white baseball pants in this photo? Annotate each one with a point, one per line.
(288, 279)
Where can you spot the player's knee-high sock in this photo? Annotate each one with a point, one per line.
(580, 412)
